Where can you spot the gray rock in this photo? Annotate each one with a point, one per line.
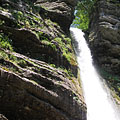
(104, 37)
(60, 11)
(30, 89)
(2, 117)
(42, 91)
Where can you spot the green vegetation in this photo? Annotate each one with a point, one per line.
(110, 77)
(113, 81)
(5, 42)
(26, 20)
(30, 19)
(67, 72)
(2, 22)
(65, 45)
(3, 55)
(82, 13)
(12, 58)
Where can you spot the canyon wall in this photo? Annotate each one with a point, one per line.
(104, 40)
(39, 77)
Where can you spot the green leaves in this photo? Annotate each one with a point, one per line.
(5, 42)
(82, 14)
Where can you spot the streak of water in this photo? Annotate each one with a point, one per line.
(100, 105)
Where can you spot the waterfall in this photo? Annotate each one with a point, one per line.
(100, 104)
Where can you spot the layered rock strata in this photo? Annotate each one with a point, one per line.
(104, 35)
(39, 78)
(104, 41)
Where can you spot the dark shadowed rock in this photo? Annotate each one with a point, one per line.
(104, 35)
(41, 90)
(60, 11)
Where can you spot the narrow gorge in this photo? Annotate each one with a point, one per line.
(39, 73)
(97, 94)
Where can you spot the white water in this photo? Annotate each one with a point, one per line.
(100, 105)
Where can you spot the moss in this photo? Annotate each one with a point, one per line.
(42, 37)
(34, 82)
(44, 7)
(48, 43)
(49, 22)
(2, 22)
(53, 65)
(112, 79)
(21, 63)
(27, 19)
(68, 72)
(66, 47)
(73, 81)
(5, 42)
(30, 19)
(4, 68)
(3, 55)
(3, 9)
(117, 97)
(13, 59)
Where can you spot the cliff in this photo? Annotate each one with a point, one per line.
(104, 40)
(39, 77)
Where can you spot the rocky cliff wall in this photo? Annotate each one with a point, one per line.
(104, 39)
(38, 70)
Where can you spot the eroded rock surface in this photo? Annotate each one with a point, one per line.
(38, 91)
(60, 11)
(104, 41)
(105, 35)
(39, 77)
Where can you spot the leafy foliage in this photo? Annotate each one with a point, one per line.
(82, 14)
(5, 42)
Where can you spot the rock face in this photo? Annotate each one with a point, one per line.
(104, 35)
(34, 34)
(60, 11)
(39, 78)
(38, 92)
(104, 41)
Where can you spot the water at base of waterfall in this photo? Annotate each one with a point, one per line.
(100, 104)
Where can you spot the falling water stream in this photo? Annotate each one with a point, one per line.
(100, 104)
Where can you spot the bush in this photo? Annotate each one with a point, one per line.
(82, 13)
